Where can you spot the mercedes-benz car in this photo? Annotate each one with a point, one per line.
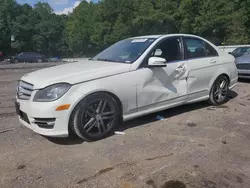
(134, 77)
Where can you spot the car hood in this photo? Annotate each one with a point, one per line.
(73, 73)
(243, 59)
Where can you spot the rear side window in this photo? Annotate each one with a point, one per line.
(210, 50)
(197, 48)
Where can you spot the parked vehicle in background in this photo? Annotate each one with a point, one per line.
(243, 66)
(134, 77)
(1, 56)
(240, 51)
(28, 57)
(55, 59)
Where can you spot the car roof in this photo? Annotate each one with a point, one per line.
(243, 47)
(29, 53)
(164, 35)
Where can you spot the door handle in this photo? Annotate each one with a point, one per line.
(212, 61)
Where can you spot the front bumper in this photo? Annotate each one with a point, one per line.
(30, 112)
(42, 117)
(233, 83)
(243, 73)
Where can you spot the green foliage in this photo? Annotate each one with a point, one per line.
(237, 32)
(35, 29)
(94, 26)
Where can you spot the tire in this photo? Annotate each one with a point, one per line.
(219, 91)
(95, 117)
(39, 60)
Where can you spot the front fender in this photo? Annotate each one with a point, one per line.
(123, 86)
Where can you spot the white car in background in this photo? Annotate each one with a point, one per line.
(132, 78)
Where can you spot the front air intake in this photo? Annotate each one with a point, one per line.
(45, 123)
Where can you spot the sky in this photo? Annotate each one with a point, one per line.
(59, 6)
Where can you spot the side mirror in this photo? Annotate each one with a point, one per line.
(157, 62)
(230, 53)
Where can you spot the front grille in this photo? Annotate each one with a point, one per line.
(24, 90)
(243, 66)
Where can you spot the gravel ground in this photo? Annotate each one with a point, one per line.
(195, 146)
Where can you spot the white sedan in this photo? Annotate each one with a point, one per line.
(132, 78)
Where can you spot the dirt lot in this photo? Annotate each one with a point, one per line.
(195, 146)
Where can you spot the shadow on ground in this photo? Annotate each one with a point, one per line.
(71, 140)
(232, 94)
(74, 140)
(170, 113)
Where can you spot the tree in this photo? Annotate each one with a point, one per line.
(80, 27)
(237, 32)
(94, 26)
(8, 12)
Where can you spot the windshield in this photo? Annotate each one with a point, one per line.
(241, 50)
(125, 51)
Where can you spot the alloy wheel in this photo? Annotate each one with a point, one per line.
(98, 117)
(220, 90)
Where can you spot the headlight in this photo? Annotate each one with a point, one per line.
(51, 93)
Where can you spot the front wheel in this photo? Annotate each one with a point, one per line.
(219, 91)
(95, 117)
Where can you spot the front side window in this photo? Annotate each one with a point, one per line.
(169, 49)
(125, 51)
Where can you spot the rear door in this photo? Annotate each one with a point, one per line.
(202, 61)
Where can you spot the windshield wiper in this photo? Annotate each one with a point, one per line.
(106, 59)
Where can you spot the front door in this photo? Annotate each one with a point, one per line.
(163, 85)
